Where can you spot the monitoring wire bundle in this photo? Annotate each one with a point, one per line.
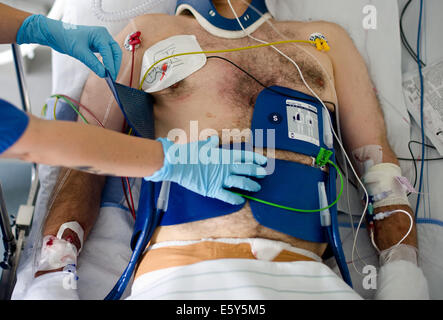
(75, 105)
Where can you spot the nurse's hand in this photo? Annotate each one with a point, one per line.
(207, 169)
(80, 42)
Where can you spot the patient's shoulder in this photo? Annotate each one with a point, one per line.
(336, 34)
(332, 31)
(328, 28)
(151, 18)
(158, 26)
(160, 22)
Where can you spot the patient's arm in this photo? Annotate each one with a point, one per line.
(77, 194)
(362, 124)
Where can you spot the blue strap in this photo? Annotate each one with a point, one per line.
(208, 11)
(137, 107)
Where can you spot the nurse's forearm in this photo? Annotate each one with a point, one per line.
(87, 148)
(11, 20)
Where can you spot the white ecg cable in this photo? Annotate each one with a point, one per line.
(383, 215)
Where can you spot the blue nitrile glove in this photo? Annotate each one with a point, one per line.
(79, 42)
(211, 172)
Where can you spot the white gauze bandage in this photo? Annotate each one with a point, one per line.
(57, 252)
(382, 183)
(399, 277)
(170, 71)
(399, 252)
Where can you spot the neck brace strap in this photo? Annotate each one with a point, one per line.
(217, 25)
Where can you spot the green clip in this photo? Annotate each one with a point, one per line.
(323, 157)
(370, 209)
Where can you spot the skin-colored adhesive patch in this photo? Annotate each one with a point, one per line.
(367, 157)
(172, 70)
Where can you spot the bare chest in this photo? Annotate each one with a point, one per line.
(242, 74)
(222, 95)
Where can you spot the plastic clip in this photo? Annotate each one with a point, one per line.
(320, 42)
(132, 41)
(323, 157)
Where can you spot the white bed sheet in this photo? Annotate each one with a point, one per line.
(430, 216)
(98, 266)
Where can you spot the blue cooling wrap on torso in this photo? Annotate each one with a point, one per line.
(296, 120)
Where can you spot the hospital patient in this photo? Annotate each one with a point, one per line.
(219, 96)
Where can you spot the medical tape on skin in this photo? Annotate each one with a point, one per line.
(173, 70)
(381, 179)
(74, 226)
(367, 157)
(262, 249)
(399, 252)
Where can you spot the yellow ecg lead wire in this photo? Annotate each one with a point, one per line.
(223, 51)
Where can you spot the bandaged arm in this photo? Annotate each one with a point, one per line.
(399, 276)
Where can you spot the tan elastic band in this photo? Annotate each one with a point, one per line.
(174, 256)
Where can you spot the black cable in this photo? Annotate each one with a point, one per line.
(404, 40)
(415, 160)
(404, 159)
(265, 86)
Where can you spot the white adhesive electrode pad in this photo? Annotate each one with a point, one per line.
(172, 70)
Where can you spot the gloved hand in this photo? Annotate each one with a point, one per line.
(79, 42)
(186, 165)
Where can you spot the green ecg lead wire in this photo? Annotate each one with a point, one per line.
(302, 210)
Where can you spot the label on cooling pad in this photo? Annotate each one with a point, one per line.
(172, 70)
(302, 122)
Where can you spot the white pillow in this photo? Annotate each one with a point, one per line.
(69, 74)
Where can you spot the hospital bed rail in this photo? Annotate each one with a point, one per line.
(14, 240)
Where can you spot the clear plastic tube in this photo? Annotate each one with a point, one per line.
(115, 16)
